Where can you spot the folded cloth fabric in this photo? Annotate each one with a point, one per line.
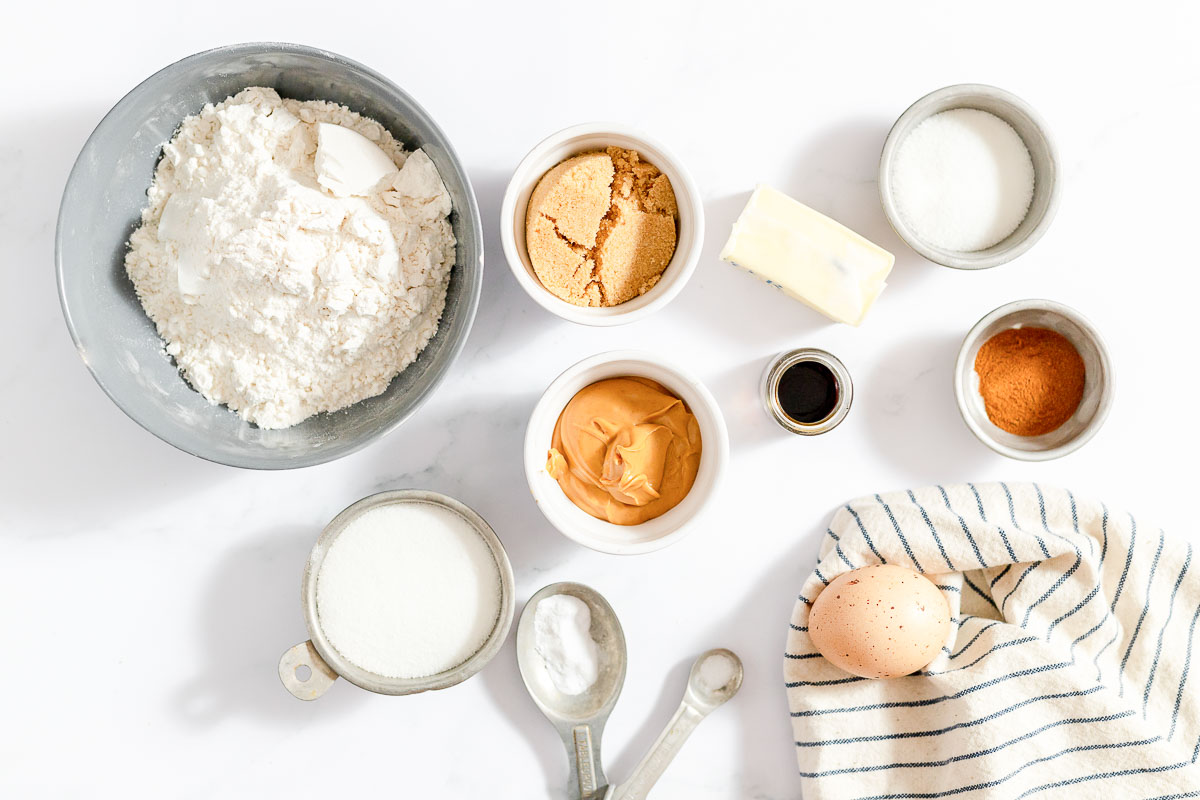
(1067, 667)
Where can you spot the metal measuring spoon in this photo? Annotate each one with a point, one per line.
(579, 719)
(715, 677)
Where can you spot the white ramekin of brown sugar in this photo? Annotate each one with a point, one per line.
(592, 137)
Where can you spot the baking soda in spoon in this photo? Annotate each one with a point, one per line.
(562, 637)
(962, 180)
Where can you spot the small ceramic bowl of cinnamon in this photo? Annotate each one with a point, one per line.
(1034, 380)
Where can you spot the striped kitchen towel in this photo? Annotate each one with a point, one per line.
(1066, 671)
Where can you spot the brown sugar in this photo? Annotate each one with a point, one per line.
(600, 228)
(1031, 380)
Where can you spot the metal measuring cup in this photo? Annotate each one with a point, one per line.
(325, 664)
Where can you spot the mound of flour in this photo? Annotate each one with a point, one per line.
(274, 296)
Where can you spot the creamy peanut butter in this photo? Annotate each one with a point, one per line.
(625, 450)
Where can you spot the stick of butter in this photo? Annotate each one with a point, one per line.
(819, 262)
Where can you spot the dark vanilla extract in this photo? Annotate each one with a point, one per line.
(808, 392)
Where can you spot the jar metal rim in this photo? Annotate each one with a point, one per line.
(784, 361)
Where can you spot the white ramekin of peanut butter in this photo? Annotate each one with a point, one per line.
(624, 451)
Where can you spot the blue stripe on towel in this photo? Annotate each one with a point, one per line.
(862, 529)
(1001, 574)
(968, 756)
(1128, 562)
(978, 502)
(957, 726)
(1061, 580)
(837, 546)
(1095, 591)
(974, 638)
(938, 540)
(830, 682)
(1104, 530)
(935, 700)
(932, 530)
(979, 591)
(900, 534)
(983, 516)
(962, 523)
(1022, 768)
(1075, 523)
(994, 648)
(1187, 665)
(1013, 590)
(1046, 525)
(1089, 632)
(1104, 775)
(1162, 631)
(1141, 617)
(1007, 544)
(1012, 514)
(1096, 660)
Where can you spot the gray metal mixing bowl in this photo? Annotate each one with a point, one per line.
(101, 207)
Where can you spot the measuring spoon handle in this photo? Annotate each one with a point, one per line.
(647, 773)
(583, 754)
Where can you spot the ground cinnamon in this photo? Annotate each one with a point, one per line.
(1031, 380)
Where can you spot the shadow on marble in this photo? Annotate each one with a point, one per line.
(704, 304)
(757, 631)
(654, 720)
(470, 445)
(907, 402)
(837, 174)
(508, 319)
(502, 680)
(737, 390)
(84, 466)
(249, 615)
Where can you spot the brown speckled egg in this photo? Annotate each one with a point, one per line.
(880, 622)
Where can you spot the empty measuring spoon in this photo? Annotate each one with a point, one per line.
(715, 677)
(579, 719)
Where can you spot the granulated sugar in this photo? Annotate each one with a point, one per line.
(408, 590)
(963, 180)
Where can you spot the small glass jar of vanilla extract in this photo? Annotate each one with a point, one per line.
(807, 391)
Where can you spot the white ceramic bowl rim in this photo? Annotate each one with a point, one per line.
(597, 534)
(593, 135)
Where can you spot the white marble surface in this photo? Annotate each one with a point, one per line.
(145, 596)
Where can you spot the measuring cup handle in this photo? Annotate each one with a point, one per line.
(320, 675)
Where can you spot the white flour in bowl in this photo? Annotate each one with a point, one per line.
(284, 280)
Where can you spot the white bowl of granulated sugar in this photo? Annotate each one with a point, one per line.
(968, 177)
